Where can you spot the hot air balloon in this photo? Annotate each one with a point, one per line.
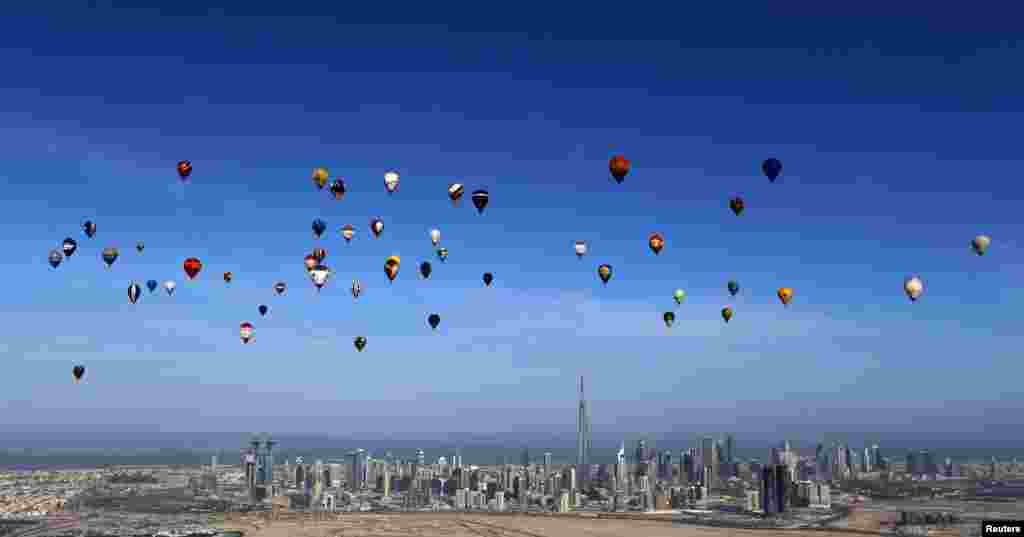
(263, 309)
(391, 267)
(434, 320)
(488, 278)
(737, 205)
(727, 313)
(605, 273)
(152, 285)
(78, 372)
(360, 343)
(184, 169)
(669, 318)
(980, 244)
(357, 289)
(734, 287)
(455, 192)
(245, 332)
(140, 246)
(656, 241)
(319, 276)
(581, 249)
(391, 179)
(338, 188)
(319, 177)
(914, 288)
(318, 227)
(228, 277)
(435, 236)
(619, 167)
(310, 261)
(134, 291)
(679, 295)
(347, 232)
(280, 287)
(785, 295)
(480, 200)
(192, 267)
(69, 247)
(55, 258)
(109, 256)
(377, 226)
(170, 286)
(425, 269)
(319, 254)
(771, 168)
(442, 254)
(89, 228)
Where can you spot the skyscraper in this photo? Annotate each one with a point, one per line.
(729, 447)
(582, 431)
(547, 463)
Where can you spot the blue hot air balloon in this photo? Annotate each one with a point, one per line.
(151, 285)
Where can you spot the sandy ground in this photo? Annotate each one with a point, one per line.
(481, 526)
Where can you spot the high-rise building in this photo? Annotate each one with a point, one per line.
(582, 431)
(729, 449)
(525, 457)
(357, 469)
(421, 458)
(547, 463)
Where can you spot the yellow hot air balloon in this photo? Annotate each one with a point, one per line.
(320, 177)
(391, 267)
(785, 295)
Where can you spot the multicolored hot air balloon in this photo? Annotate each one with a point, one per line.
(980, 244)
(480, 200)
(319, 254)
(605, 273)
(318, 227)
(280, 287)
(347, 232)
(737, 205)
(360, 343)
(228, 277)
(152, 285)
(656, 241)
(669, 318)
(338, 188)
(488, 278)
(134, 292)
(377, 226)
(772, 168)
(727, 313)
(320, 177)
(110, 255)
(192, 267)
(619, 168)
(435, 236)
(581, 249)
(89, 228)
(78, 372)
(425, 269)
(455, 192)
(442, 254)
(319, 276)
(263, 309)
(433, 320)
(785, 295)
(55, 258)
(170, 286)
(914, 288)
(245, 332)
(391, 180)
(310, 261)
(184, 168)
(733, 286)
(357, 289)
(140, 246)
(679, 295)
(391, 267)
(69, 246)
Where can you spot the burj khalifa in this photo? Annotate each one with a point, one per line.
(582, 438)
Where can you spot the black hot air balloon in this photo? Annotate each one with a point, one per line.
(78, 372)
(280, 287)
(140, 246)
(772, 168)
(434, 320)
(263, 309)
(69, 247)
(89, 228)
(737, 205)
(734, 287)
(55, 258)
(134, 292)
(318, 227)
(480, 199)
(360, 343)
(425, 269)
(488, 278)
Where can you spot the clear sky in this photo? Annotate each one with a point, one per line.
(899, 133)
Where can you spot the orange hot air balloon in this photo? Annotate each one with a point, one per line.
(184, 169)
(391, 267)
(656, 241)
(785, 295)
(228, 276)
(619, 167)
(192, 267)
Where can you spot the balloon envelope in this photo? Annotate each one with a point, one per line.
(360, 343)
(69, 246)
(488, 278)
(772, 168)
(319, 177)
(152, 285)
(619, 167)
(391, 180)
(980, 244)
(581, 248)
(455, 192)
(480, 200)
(914, 288)
(170, 286)
(78, 372)
(262, 309)
(426, 269)
(604, 272)
(434, 320)
(192, 267)
(679, 295)
(55, 258)
(134, 291)
(727, 314)
(184, 168)
(280, 287)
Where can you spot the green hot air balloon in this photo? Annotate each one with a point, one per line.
(669, 318)
(727, 313)
(679, 295)
(360, 343)
(734, 287)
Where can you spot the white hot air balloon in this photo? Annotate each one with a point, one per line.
(581, 249)
(357, 289)
(169, 286)
(914, 288)
(134, 292)
(391, 181)
(319, 275)
(435, 236)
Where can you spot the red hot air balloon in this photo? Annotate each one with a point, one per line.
(184, 169)
(656, 242)
(192, 267)
(619, 167)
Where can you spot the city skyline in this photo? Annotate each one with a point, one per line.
(897, 138)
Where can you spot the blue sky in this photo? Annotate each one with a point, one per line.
(898, 132)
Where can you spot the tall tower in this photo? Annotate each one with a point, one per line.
(582, 435)
(269, 462)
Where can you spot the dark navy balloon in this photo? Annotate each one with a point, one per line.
(434, 320)
(772, 168)
(319, 227)
(425, 269)
(89, 228)
(151, 285)
(488, 278)
(263, 309)
(69, 247)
